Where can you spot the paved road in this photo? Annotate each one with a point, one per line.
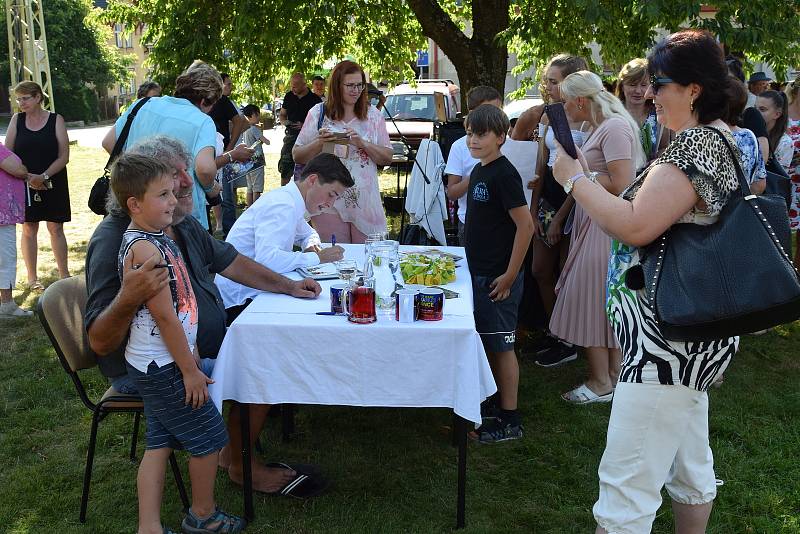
(93, 136)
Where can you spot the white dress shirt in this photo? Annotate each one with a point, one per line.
(266, 232)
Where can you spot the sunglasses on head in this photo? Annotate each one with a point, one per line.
(657, 82)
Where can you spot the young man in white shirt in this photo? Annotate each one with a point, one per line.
(268, 230)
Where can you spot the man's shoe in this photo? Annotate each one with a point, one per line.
(10, 309)
(496, 431)
(558, 355)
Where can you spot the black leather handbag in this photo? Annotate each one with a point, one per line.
(99, 191)
(778, 181)
(729, 278)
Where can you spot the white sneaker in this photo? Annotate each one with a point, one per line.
(10, 309)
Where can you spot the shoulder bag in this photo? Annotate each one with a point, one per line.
(732, 277)
(778, 180)
(99, 192)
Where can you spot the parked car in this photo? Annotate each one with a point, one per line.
(411, 112)
(515, 108)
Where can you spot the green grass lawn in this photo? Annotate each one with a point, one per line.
(393, 470)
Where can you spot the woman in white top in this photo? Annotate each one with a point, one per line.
(550, 207)
(359, 211)
(775, 110)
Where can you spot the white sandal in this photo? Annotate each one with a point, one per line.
(583, 395)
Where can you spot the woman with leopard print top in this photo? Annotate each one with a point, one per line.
(658, 431)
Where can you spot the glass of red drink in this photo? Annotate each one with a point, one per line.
(360, 304)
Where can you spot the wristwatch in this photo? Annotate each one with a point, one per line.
(592, 176)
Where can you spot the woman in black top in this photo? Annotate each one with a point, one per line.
(40, 139)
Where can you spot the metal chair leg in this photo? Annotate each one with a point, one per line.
(87, 475)
(176, 471)
(135, 436)
(247, 467)
(461, 435)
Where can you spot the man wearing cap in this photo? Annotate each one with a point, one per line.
(757, 84)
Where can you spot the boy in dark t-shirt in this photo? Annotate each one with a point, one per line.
(497, 232)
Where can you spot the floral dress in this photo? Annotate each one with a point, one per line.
(793, 170)
(752, 160)
(647, 356)
(361, 204)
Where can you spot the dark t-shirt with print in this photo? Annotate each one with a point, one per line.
(297, 108)
(494, 189)
(222, 113)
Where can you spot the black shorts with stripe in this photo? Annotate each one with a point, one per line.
(496, 322)
(171, 423)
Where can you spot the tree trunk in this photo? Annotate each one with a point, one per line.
(480, 59)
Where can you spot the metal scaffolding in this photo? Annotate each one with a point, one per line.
(27, 46)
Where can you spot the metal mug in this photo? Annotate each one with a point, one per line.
(431, 304)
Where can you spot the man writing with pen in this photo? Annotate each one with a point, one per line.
(268, 231)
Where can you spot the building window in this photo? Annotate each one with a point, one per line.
(120, 39)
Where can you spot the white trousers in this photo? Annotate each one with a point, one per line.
(8, 256)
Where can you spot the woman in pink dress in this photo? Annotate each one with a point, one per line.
(12, 213)
(613, 152)
(359, 211)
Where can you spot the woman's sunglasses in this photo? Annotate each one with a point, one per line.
(657, 82)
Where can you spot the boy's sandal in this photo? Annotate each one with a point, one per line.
(167, 530)
(218, 522)
(36, 285)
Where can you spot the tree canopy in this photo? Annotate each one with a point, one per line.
(80, 57)
(258, 40)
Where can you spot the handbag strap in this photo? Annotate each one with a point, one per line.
(123, 136)
(744, 187)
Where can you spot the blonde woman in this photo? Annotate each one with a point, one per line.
(634, 81)
(40, 140)
(613, 153)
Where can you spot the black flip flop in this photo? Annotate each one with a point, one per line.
(307, 482)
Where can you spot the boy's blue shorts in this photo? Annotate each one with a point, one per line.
(170, 421)
(496, 322)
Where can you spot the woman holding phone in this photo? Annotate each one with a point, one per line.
(550, 207)
(613, 152)
(658, 429)
(347, 113)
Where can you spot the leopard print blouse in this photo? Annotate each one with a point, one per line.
(703, 157)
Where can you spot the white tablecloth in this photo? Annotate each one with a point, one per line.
(279, 351)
